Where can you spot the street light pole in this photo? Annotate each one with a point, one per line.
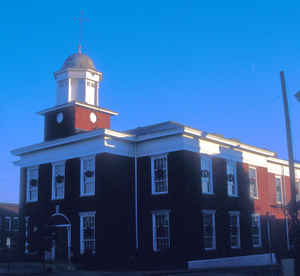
(292, 204)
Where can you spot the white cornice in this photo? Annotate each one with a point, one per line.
(92, 107)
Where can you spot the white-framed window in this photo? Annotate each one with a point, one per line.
(209, 229)
(253, 182)
(7, 224)
(232, 185)
(15, 224)
(278, 187)
(32, 184)
(234, 229)
(58, 180)
(159, 173)
(161, 229)
(87, 186)
(297, 189)
(87, 232)
(256, 230)
(206, 175)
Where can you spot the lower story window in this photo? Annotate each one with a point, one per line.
(209, 229)
(234, 227)
(87, 232)
(161, 230)
(256, 230)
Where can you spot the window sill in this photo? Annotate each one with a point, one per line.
(86, 195)
(55, 199)
(31, 201)
(209, 249)
(234, 196)
(209, 194)
(161, 193)
(235, 247)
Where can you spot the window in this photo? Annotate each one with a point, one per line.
(297, 189)
(161, 231)
(15, 224)
(256, 230)
(87, 232)
(206, 175)
(159, 167)
(7, 224)
(231, 178)
(278, 189)
(209, 229)
(87, 176)
(234, 229)
(32, 184)
(58, 180)
(253, 182)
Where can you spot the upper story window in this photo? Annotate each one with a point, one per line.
(209, 229)
(159, 172)
(87, 176)
(87, 232)
(253, 182)
(206, 175)
(232, 187)
(234, 229)
(256, 230)
(161, 231)
(32, 184)
(58, 180)
(278, 186)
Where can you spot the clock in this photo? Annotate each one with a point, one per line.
(93, 117)
(59, 117)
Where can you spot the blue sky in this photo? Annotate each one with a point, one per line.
(212, 65)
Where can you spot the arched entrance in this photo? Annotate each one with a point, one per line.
(61, 246)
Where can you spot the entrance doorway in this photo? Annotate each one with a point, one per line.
(61, 245)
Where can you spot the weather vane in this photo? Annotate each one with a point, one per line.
(81, 19)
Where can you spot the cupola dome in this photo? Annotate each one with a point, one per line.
(80, 61)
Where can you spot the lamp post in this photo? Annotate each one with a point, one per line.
(292, 205)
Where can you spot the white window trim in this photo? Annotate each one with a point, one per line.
(259, 230)
(211, 212)
(28, 184)
(211, 184)
(60, 163)
(252, 196)
(9, 223)
(280, 178)
(154, 239)
(82, 194)
(235, 182)
(82, 215)
(236, 213)
(153, 158)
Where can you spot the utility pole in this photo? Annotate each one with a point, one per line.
(292, 205)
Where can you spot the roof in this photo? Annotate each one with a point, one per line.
(78, 60)
(92, 107)
(9, 209)
(155, 128)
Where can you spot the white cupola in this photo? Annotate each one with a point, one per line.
(77, 80)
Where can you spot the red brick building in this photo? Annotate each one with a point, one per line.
(160, 194)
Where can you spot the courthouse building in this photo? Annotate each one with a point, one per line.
(160, 194)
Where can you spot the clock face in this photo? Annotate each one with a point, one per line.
(93, 117)
(59, 117)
